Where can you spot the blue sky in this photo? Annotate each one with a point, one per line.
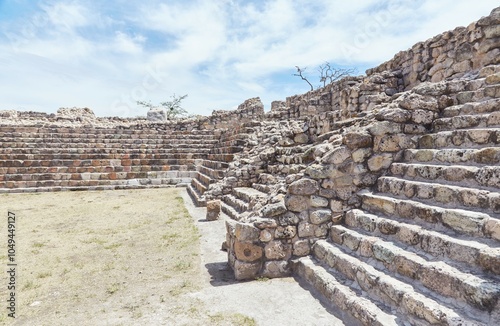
(106, 55)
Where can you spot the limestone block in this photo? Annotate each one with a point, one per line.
(319, 216)
(296, 203)
(303, 187)
(157, 115)
(285, 232)
(288, 218)
(384, 127)
(246, 232)
(492, 228)
(337, 155)
(264, 223)
(301, 248)
(306, 229)
(360, 155)
(276, 268)
(319, 171)
(272, 210)
(493, 79)
(379, 162)
(301, 138)
(355, 140)
(464, 221)
(265, 236)
(246, 271)
(492, 31)
(423, 116)
(278, 250)
(318, 201)
(247, 252)
(394, 115)
(213, 210)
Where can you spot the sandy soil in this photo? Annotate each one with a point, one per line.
(135, 257)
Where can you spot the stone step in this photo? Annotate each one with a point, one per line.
(461, 156)
(480, 94)
(93, 153)
(181, 148)
(482, 177)
(226, 150)
(487, 106)
(448, 196)
(204, 179)
(197, 198)
(248, 194)
(73, 138)
(226, 158)
(433, 217)
(236, 203)
(261, 187)
(97, 162)
(341, 296)
(384, 285)
(469, 138)
(98, 175)
(34, 132)
(479, 257)
(89, 188)
(215, 174)
(285, 169)
(200, 187)
(230, 211)
(489, 120)
(22, 186)
(215, 165)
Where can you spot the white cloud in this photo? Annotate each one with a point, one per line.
(107, 55)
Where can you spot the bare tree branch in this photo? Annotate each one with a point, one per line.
(299, 74)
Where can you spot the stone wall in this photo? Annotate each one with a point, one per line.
(452, 54)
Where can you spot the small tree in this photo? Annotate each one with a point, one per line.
(173, 108)
(299, 74)
(328, 74)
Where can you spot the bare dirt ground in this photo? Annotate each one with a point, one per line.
(134, 257)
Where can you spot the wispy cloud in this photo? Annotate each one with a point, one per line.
(107, 55)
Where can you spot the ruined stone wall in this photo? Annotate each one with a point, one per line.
(452, 54)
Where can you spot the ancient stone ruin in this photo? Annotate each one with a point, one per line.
(380, 191)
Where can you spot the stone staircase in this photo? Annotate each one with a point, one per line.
(213, 168)
(36, 158)
(424, 247)
(240, 200)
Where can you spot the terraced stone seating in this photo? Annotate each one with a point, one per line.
(213, 168)
(424, 247)
(78, 158)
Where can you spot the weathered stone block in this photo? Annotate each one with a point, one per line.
(318, 201)
(301, 248)
(360, 155)
(297, 203)
(285, 232)
(320, 216)
(379, 162)
(355, 140)
(337, 155)
(278, 250)
(246, 232)
(276, 268)
(272, 210)
(264, 223)
(213, 210)
(303, 187)
(288, 218)
(246, 271)
(247, 252)
(265, 236)
(306, 229)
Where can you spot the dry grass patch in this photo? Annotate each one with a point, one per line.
(107, 258)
